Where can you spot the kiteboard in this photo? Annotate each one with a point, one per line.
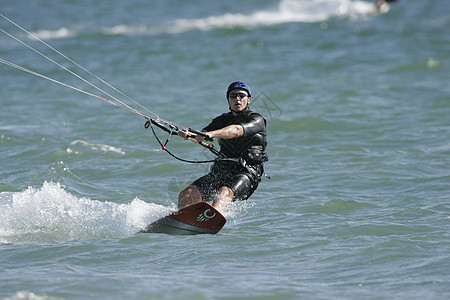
(198, 218)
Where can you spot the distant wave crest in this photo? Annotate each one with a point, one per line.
(55, 34)
(288, 11)
(95, 147)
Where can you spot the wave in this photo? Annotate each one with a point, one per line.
(95, 147)
(51, 213)
(55, 34)
(24, 294)
(288, 11)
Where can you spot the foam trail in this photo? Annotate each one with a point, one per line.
(51, 213)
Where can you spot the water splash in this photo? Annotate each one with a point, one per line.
(51, 213)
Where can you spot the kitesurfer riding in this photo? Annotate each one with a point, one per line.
(242, 135)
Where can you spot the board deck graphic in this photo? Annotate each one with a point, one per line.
(198, 218)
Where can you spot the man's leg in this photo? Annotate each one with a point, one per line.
(224, 198)
(189, 196)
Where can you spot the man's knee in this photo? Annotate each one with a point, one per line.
(189, 196)
(225, 191)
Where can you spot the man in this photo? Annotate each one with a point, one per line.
(242, 139)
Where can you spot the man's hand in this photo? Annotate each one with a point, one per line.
(187, 135)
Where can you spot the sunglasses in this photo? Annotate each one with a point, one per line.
(240, 95)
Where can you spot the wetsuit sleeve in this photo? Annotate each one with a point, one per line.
(253, 125)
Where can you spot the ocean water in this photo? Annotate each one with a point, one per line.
(358, 106)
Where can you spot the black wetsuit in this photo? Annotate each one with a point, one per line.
(241, 168)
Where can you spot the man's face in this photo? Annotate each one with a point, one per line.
(238, 99)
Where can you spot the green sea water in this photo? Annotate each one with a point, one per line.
(358, 107)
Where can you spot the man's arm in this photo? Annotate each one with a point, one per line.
(229, 132)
